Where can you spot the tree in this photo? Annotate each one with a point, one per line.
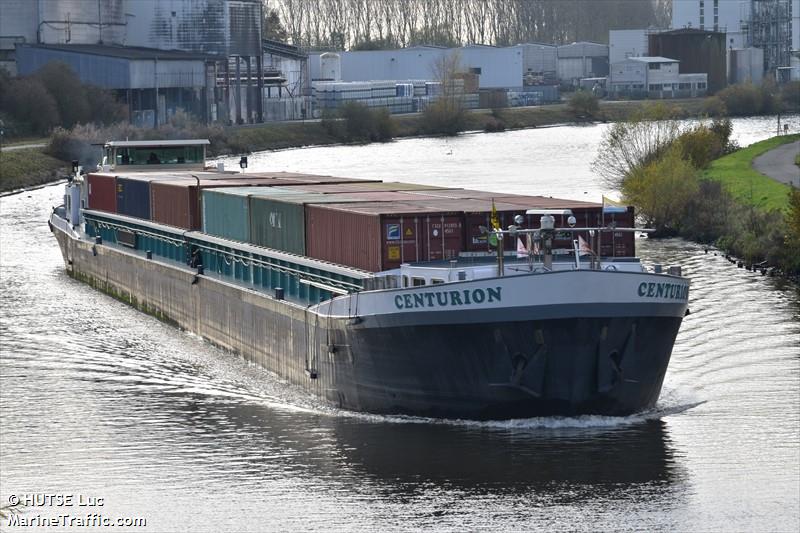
(32, 106)
(583, 104)
(271, 27)
(446, 114)
(662, 190)
(627, 147)
(68, 91)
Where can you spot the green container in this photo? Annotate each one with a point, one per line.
(278, 221)
(226, 212)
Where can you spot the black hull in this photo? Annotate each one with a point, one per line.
(496, 370)
(510, 370)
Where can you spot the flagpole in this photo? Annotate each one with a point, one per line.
(602, 225)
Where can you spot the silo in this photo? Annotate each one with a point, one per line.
(82, 22)
(330, 66)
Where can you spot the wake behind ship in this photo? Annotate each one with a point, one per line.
(377, 296)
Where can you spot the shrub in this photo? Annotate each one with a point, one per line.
(713, 106)
(494, 125)
(583, 104)
(747, 99)
(385, 128)
(445, 116)
(330, 123)
(790, 94)
(357, 122)
(700, 146)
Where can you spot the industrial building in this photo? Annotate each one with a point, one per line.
(539, 63)
(153, 83)
(623, 44)
(286, 82)
(699, 51)
(208, 47)
(771, 25)
(496, 67)
(654, 77)
(581, 60)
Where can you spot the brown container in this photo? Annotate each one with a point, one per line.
(618, 243)
(381, 236)
(102, 190)
(177, 203)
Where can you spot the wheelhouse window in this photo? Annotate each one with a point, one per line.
(159, 155)
(418, 282)
(436, 281)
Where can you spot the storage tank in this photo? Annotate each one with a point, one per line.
(82, 22)
(330, 66)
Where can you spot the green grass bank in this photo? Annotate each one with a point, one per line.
(748, 186)
(29, 167)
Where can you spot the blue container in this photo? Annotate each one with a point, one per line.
(133, 197)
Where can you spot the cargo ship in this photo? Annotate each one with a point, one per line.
(381, 297)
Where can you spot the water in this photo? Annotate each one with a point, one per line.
(99, 400)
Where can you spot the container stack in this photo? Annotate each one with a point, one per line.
(371, 225)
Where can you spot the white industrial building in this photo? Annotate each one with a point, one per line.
(581, 60)
(623, 44)
(496, 67)
(654, 77)
(539, 62)
(717, 15)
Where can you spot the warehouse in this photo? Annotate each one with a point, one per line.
(538, 62)
(495, 67)
(154, 83)
(581, 60)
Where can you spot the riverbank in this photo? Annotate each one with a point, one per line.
(281, 135)
(29, 167)
(748, 186)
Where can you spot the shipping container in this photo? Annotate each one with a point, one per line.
(279, 221)
(176, 202)
(226, 212)
(133, 194)
(381, 236)
(370, 186)
(102, 192)
(308, 179)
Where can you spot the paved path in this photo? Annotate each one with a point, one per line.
(23, 146)
(779, 165)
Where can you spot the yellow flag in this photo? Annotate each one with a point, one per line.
(615, 203)
(495, 220)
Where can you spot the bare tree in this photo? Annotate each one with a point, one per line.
(347, 23)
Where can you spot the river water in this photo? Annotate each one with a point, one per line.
(99, 401)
